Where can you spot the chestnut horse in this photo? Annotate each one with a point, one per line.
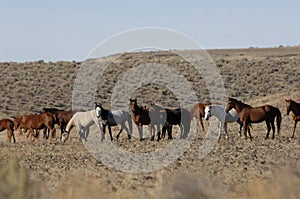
(198, 111)
(294, 107)
(9, 126)
(249, 114)
(33, 122)
(61, 117)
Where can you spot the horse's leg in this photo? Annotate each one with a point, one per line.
(152, 132)
(249, 132)
(123, 126)
(20, 134)
(45, 133)
(225, 129)
(9, 135)
(118, 135)
(163, 131)
(273, 128)
(110, 133)
(61, 130)
(13, 135)
(181, 130)
(201, 122)
(246, 126)
(87, 132)
(30, 135)
(140, 129)
(102, 132)
(241, 126)
(295, 126)
(269, 128)
(169, 130)
(158, 132)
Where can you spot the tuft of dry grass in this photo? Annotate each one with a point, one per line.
(284, 184)
(15, 183)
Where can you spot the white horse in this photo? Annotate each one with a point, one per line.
(82, 122)
(114, 118)
(219, 112)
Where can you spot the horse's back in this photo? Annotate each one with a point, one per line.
(231, 116)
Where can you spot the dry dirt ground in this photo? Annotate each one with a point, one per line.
(234, 168)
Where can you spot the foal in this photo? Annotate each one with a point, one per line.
(294, 107)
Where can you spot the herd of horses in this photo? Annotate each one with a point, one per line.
(159, 119)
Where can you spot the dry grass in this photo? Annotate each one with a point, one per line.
(15, 182)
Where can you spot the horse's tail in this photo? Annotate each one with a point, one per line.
(278, 119)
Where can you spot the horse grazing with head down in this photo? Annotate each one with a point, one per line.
(9, 126)
(114, 118)
(294, 107)
(249, 114)
(82, 122)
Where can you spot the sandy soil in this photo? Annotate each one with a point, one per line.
(234, 168)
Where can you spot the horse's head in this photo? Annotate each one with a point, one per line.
(98, 109)
(64, 136)
(230, 104)
(207, 111)
(133, 104)
(288, 104)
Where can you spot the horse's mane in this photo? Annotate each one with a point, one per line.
(51, 110)
(104, 113)
(240, 102)
(294, 102)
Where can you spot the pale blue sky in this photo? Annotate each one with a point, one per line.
(69, 29)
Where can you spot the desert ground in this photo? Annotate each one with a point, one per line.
(234, 168)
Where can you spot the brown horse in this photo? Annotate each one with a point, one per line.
(9, 126)
(62, 117)
(198, 111)
(249, 114)
(147, 116)
(294, 107)
(33, 122)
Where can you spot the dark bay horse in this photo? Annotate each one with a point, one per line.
(179, 116)
(294, 107)
(147, 116)
(249, 114)
(9, 126)
(114, 118)
(198, 111)
(62, 117)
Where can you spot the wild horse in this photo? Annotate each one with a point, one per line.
(249, 114)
